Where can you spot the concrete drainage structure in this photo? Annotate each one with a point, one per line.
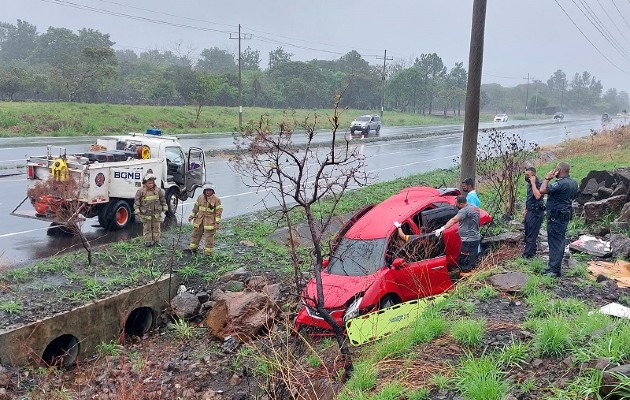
(62, 338)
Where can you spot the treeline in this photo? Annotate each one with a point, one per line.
(61, 65)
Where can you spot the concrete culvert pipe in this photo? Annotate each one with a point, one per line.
(62, 351)
(139, 322)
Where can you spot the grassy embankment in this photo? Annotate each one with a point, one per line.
(390, 369)
(74, 119)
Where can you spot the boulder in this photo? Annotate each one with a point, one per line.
(257, 283)
(619, 190)
(601, 178)
(624, 216)
(596, 210)
(239, 274)
(591, 245)
(604, 192)
(620, 246)
(509, 282)
(505, 237)
(246, 315)
(611, 386)
(185, 305)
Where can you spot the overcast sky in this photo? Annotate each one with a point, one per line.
(522, 36)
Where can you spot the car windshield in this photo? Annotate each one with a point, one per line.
(362, 119)
(357, 257)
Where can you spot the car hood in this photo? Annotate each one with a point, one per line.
(360, 122)
(338, 289)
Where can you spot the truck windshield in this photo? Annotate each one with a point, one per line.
(357, 257)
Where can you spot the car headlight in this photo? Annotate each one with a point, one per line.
(353, 310)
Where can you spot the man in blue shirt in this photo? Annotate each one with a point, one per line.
(468, 186)
(534, 212)
(560, 195)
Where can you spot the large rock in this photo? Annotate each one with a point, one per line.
(596, 210)
(591, 245)
(620, 246)
(624, 216)
(505, 237)
(509, 282)
(611, 386)
(246, 315)
(185, 305)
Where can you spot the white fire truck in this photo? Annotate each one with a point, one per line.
(103, 181)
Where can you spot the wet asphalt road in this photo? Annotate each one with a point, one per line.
(24, 239)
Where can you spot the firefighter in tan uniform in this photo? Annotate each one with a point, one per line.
(149, 204)
(206, 217)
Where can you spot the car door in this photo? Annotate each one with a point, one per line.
(423, 274)
(195, 170)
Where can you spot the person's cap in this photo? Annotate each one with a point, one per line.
(149, 177)
(468, 181)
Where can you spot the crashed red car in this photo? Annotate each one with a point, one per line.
(370, 268)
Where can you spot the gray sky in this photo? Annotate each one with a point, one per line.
(522, 36)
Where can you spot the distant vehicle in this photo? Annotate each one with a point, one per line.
(365, 124)
(606, 118)
(558, 116)
(501, 118)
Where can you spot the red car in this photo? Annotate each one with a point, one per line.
(370, 267)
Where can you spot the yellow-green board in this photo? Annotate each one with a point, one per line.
(373, 326)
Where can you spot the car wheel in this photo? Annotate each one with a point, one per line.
(172, 200)
(116, 216)
(378, 130)
(388, 300)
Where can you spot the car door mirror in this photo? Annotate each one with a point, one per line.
(398, 263)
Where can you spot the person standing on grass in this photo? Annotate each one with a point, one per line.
(468, 186)
(206, 218)
(534, 212)
(560, 195)
(468, 229)
(149, 205)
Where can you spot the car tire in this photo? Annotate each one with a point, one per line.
(378, 130)
(172, 200)
(352, 131)
(388, 300)
(116, 216)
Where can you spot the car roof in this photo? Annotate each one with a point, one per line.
(378, 222)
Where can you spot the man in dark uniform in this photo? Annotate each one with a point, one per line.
(560, 195)
(534, 212)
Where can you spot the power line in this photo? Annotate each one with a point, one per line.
(601, 28)
(620, 13)
(612, 20)
(589, 40)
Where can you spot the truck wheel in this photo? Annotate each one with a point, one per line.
(172, 200)
(116, 216)
(57, 229)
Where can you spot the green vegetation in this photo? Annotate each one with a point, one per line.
(468, 332)
(73, 119)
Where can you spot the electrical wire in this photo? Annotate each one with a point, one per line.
(613, 21)
(589, 40)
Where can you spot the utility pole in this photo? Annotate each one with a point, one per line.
(473, 91)
(526, 94)
(536, 103)
(240, 67)
(562, 95)
(385, 58)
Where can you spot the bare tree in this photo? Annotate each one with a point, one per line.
(300, 176)
(56, 198)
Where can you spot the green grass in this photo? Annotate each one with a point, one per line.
(486, 292)
(468, 332)
(76, 119)
(363, 377)
(11, 306)
(109, 348)
(481, 379)
(552, 337)
(182, 329)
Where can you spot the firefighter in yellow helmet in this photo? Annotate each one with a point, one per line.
(206, 219)
(149, 205)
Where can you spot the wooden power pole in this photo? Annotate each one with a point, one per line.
(473, 91)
